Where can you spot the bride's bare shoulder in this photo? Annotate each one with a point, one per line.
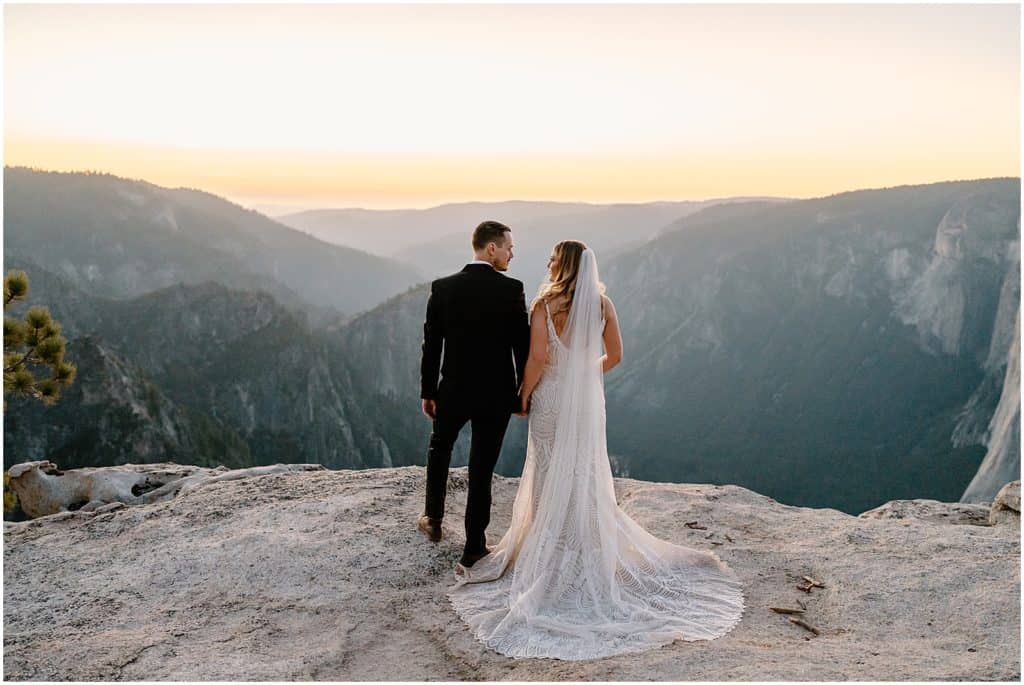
(607, 308)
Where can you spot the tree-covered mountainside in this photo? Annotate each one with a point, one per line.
(823, 351)
(841, 351)
(120, 238)
(114, 414)
(251, 379)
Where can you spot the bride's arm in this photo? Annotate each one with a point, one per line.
(612, 337)
(538, 356)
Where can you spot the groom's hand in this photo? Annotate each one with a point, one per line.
(430, 409)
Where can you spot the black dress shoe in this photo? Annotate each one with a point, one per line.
(468, 558)
(430, 527)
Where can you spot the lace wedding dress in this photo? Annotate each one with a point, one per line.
(574, 577)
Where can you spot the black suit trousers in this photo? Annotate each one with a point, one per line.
(488, 426)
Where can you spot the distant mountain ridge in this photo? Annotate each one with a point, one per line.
(388, 231)
(841, 351)
(437, 239)
(121, 238)
(607, 229)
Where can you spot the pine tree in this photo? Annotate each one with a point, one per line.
(33, 342)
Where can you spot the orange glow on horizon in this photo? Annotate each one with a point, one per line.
(416, 105)
(305, 180)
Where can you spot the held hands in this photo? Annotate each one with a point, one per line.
(430, 409)
(524, 405)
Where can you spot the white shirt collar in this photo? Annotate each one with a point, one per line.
(480, 261)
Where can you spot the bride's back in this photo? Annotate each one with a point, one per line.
(558, 308)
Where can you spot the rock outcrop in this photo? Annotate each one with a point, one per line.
(44, 489)
(1006, 505)
(932, 510)
(321, 575)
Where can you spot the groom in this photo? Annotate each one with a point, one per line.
(478, 316)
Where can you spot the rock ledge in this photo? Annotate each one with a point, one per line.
(321, 575)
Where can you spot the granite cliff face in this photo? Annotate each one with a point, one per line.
(320, 575)
(230, 377)
(1002, 460)
(113, 414)
(875, 322)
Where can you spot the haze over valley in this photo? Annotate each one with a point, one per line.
(839, 351)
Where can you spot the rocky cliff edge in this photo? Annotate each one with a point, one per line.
(300, 573)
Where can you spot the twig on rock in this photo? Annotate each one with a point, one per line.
(786, 610)
(695, 525)
(804, 624)
(812, 581)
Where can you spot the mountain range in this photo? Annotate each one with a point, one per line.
(832, 351)
(120, 238)
(840, 351)
(433, 240)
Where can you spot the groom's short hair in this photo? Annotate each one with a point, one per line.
(489, 231)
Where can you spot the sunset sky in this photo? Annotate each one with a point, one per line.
(290, 107)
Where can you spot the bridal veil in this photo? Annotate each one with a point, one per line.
(574, 577)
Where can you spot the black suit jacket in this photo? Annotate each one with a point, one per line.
(478, 317)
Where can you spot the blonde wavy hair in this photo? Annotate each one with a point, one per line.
(567, 267)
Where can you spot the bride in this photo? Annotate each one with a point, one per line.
(574, 577)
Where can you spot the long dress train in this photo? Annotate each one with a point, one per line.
(575, 577)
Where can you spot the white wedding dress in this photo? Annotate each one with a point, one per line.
(574, 577)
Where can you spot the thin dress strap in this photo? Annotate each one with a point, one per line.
(551, 324)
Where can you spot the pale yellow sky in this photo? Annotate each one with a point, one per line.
(415, 105)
